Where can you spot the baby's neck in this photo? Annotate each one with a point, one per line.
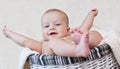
(68, 38)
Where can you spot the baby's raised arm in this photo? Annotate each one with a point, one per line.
(23, 40)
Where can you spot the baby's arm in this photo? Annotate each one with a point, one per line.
(88, 21)
(23, 40)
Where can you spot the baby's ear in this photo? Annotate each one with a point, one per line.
(68, 29)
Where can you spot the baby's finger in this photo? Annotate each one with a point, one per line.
(75, 29)
(78, 30)
(71, 31)
(3, 30)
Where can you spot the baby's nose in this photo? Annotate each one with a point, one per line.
(52, 27)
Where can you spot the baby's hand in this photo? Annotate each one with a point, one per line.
(76, 35)
(94, 12)
(5, 31)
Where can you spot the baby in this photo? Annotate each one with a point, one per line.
(59, 39)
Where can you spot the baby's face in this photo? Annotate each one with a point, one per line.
(54, 24)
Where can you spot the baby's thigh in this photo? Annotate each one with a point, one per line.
(94, 38)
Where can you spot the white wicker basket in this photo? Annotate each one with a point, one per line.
(101, 57)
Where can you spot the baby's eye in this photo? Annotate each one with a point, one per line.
(46, 26)
(58, 24)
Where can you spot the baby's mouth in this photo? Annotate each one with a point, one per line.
(52, 33)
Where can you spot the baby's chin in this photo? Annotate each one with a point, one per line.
(56, 36)
(47, 39)
(50, 37)
(53, 37)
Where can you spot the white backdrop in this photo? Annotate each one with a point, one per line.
(23, 16)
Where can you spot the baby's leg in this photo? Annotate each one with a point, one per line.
(88, 21)
(94, 36)
(83, 47)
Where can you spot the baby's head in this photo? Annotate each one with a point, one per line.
(54, 23)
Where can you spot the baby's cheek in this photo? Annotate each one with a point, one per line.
(45, 37)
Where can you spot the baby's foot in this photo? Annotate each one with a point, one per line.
(94, 12)
(5, 30)
(76, 35)
(83, 45)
